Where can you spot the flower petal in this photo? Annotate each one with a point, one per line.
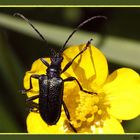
(110, 126)
(123, 93)
(89, 68)
(35, 124)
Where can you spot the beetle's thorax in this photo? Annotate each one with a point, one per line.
(55, 67)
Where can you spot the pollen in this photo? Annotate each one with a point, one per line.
(99, 112)
(89, 110)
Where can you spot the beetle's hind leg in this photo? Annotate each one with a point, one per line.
(33, 107)
(68, 116)
(32, 98)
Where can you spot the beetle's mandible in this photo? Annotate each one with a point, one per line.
(51, 85)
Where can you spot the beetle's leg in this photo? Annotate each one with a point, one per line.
(33, 107)
(70, 62)
(31, 86)
(72, 127)
(35, 110)
(68, 116)
(32, 98)
(66, 110)
(72, 79)
(44, 62)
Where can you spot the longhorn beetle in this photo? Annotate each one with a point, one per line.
(51, 85)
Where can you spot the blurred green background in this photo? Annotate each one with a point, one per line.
(118, 37)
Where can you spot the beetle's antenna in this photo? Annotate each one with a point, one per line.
(40, 35)
(80, 25)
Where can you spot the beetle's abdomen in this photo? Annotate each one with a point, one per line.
(50, 101)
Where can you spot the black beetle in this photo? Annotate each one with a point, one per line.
(51, 85)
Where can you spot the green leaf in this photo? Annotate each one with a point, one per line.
(10, 70)
(118, 50)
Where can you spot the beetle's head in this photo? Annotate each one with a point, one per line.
(56, 59)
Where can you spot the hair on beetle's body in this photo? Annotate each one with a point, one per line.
(51, 85)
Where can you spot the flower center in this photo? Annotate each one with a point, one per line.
(87, 111)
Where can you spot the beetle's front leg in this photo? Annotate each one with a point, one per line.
(44, 62)
(31, 86)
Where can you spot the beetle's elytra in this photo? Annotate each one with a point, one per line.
(51, 85)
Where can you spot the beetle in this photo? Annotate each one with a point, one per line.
(51, 85)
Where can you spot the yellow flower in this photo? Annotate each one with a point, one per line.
(117, 99)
